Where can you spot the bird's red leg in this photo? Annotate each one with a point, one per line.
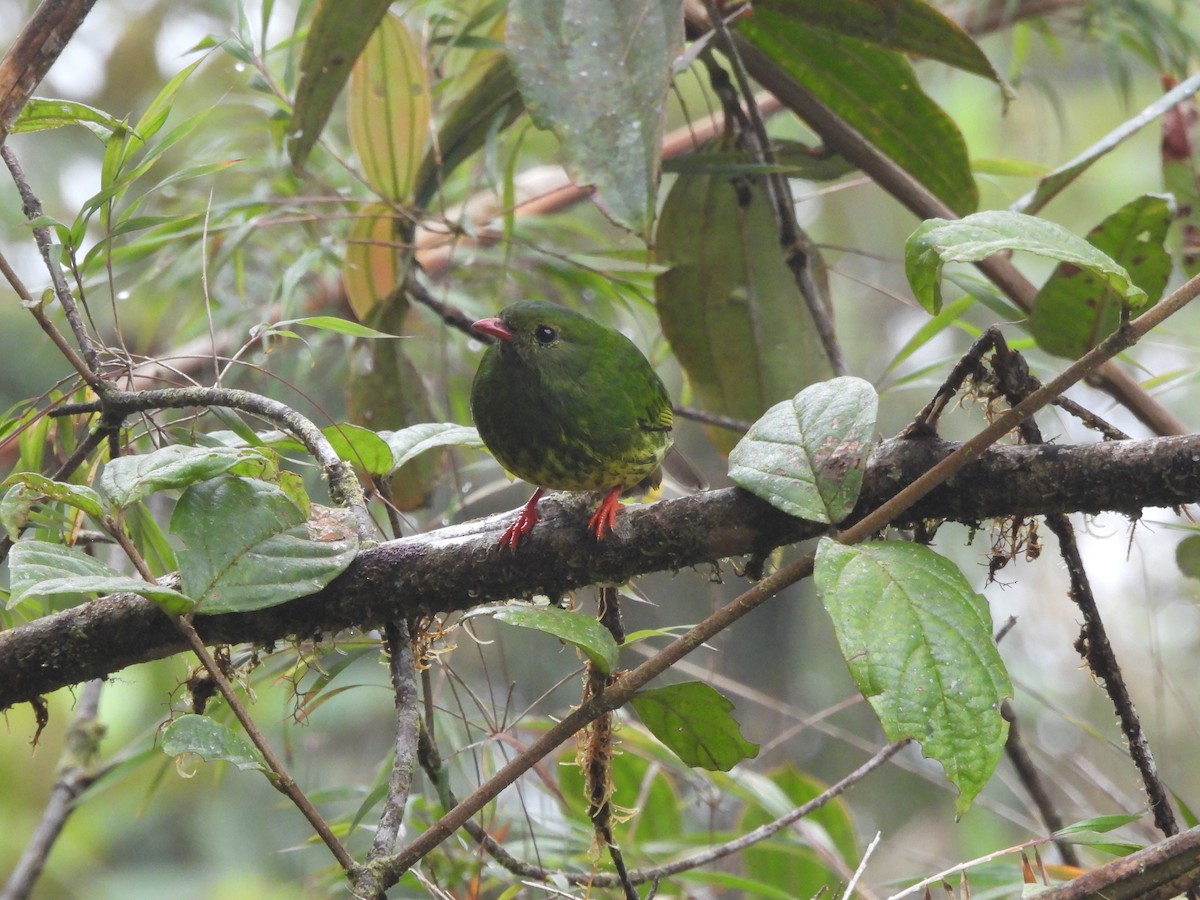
(526, 519)
(604, 519)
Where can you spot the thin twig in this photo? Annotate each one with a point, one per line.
(799, 252)
(404, 686)
(343, 485)
(32, 208)
(76, 772)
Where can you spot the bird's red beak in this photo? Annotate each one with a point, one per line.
(495, 328)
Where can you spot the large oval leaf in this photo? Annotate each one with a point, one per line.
(596, 73)
(806, 455)
(910, 26)
(918, 642)
(335, 39)
(249, 547)
(729, 304)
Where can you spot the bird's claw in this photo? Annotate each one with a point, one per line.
(526, 519)
(604, 519)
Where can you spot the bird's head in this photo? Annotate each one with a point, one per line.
(534, 325)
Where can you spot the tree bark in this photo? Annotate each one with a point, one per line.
(461, 566)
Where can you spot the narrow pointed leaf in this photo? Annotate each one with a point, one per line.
(876, 92)
(728, 302)
(389, 106)
(337, 325)
(692, 719)
(806, 455)
(574, 628)
(596, 73)
(490, 104)
(335, 40)
(1075, 309)
(984, 234)
(910, 26)
(918, 643)
(40, 113)
(1058, 180)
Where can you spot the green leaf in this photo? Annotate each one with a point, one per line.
(248, 547)
(728, 302)
(940, 241)
(30, 489)
(574, 628)
(806, 455)
(40, 114)
(388, 107)
(211, 741)
(1075, 309)
(169, 599)
(692, 719)
(1187, 556)
(643, 778)
(790, 858)
(360, 447)
(876, 92)
(910, 26)
(1099, 824)
(335, 40)
(410, 442)
(42, 569)
(596, 73)
(33, 562)
(371, 266)
(918, 643)
(337, 324)
(127, 479)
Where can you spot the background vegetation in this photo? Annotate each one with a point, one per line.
(256, 236)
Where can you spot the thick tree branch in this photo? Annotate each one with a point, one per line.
(460, 566)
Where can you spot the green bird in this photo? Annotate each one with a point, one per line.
(568, 404)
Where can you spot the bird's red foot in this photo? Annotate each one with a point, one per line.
(604, 519)
(526, 519)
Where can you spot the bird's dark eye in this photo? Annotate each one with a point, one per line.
(544, 334)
